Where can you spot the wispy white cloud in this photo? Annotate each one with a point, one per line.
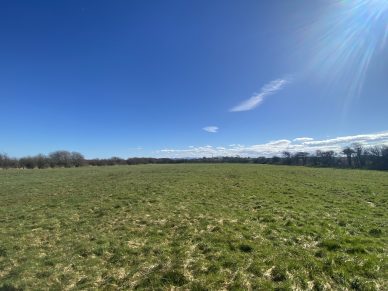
(302, 139)
(268, 89)
(361, 138)
(277, 147)
(211, 129)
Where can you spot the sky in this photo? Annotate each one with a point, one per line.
(192, 78)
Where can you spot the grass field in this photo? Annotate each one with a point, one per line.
(198, 227)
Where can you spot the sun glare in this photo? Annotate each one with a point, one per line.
(349, 36)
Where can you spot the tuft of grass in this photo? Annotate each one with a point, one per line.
(278, 274)
(245, 248)
(7, 287)
(174, 278)
(331, 245)
(3, 251)
(376, 232)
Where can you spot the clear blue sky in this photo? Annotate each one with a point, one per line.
(130, 78)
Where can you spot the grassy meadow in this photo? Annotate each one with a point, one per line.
(193, 227)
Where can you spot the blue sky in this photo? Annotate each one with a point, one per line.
(191, 78)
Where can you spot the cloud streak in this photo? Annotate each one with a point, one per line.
(362, 138)
(276, 148)
(211, 129)
(268, 89)
(302, 139)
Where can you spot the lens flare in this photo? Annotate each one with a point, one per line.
(347, 37)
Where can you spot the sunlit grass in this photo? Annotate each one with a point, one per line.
(194, 227)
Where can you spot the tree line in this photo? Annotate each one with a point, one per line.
(56, 159)
(354, 156)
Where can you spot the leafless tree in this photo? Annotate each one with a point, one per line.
(348, 151)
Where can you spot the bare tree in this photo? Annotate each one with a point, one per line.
(348, 151)
(359, 150)
(61, 159)
(301, 156)
(327, 158)
(77, 159)
(27, 163)
(41, 161)
(375, 151)
(287, 157)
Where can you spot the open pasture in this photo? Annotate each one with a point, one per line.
(193, 227)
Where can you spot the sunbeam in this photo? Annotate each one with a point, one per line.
(348, 36)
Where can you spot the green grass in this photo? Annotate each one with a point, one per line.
(198, 227)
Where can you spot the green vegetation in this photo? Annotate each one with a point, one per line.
(197, 226)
